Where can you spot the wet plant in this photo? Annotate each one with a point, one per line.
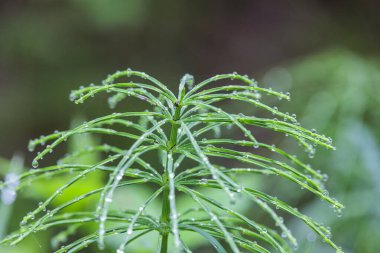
(177, 130)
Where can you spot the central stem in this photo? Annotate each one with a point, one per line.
(165, 218)
(165, 212)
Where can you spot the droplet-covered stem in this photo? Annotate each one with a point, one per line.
(174, 130)
(165, 212)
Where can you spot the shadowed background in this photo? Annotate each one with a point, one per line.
(325, 53)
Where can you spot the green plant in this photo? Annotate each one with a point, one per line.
(175, 129)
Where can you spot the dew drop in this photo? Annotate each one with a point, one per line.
(73, 96)
(288, 95)
(339, 212)
(203, 181)
(31, 146)
(35, 163)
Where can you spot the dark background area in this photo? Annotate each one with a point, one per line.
(48, 48)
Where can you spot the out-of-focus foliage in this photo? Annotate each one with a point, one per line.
(9, 171)
(337, 92)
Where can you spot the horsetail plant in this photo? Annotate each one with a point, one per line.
(175, 129)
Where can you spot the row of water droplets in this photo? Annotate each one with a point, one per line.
(128, 159)
(214, 218)
(274, 110)
(256, 145)
(134, 220)
(172, 201)
(42, 207)
(310, 183)
(204, 160)
(309, 149)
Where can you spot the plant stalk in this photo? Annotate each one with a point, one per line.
(165, 212)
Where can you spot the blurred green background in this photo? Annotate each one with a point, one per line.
(326, 53)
